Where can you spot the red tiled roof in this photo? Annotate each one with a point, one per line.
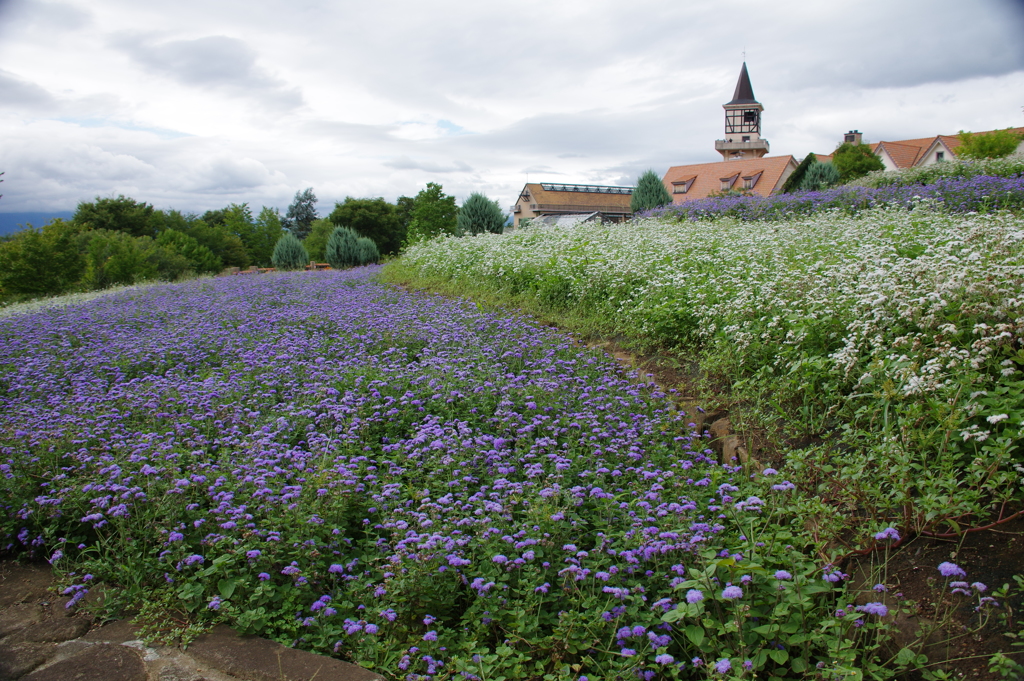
(906, 153)
(706, 178)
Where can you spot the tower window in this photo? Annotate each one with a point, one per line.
(746, 138)
(749, 116)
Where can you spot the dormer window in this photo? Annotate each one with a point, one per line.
(727, 182)
(750, 180)
(683, 186)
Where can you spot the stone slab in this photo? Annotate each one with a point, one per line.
(118, 631)
(257, 659)
(54, 630)
(20, 616)
(19, 659)
(97, 663)
(24, 583)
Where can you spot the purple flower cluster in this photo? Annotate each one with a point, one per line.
(978, 193)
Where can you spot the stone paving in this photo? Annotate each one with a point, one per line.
(40, 640)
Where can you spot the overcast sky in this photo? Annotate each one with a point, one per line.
(195, 104)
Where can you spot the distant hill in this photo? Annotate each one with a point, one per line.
(12, 222)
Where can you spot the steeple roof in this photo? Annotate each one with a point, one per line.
(744, 93)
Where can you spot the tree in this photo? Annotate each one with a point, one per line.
(342, 250)
(403, 209)
(201, 259)
(855, 160)
(266, 233)
(118, 215)
(819, 176)
(316, 242)
(649, 193)
(301, 214)
(995, 144)
(43, 261)
(289, 253)
(478, 215)
(373, 218)
(795, 178)
(115, 258)
(433, 214)
(214, 236)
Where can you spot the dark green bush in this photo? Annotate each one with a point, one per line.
(819, 176)
(342, 249)
(478, 215)
(650, 193)
(367, 250)
(289, 253)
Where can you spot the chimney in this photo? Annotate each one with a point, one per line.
(853, 137)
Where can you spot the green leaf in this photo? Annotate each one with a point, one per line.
(780, 657)
(226, 587)
(798, 664)
(695, 634)
(673, 615)
(905, 657)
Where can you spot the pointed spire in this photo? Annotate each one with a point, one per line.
(744, 93)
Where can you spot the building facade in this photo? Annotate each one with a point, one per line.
(552, 198)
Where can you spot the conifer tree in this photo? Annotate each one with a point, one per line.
(819, 176)
(342, 249)
(301, 214)
(478, 215)
(649, 193)
(289, 253)
(795, 178)
(367, 250)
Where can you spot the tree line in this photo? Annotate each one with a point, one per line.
(115, 241)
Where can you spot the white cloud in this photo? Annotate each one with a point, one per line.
(197, 104)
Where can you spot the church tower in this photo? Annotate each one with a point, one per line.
(742, 123)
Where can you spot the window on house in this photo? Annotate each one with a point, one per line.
(940, 155)
(750, 180)
(682, 186)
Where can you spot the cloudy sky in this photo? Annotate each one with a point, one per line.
(195, 104)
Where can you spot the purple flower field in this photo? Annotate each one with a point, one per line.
(979, 193)
(396, 478)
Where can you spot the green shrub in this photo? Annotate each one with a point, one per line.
(650, 193)
(995, 144)
(855, 160)
(342, 249)
(367, 251)
(478, 215)
(819, 176)
(289, 253)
